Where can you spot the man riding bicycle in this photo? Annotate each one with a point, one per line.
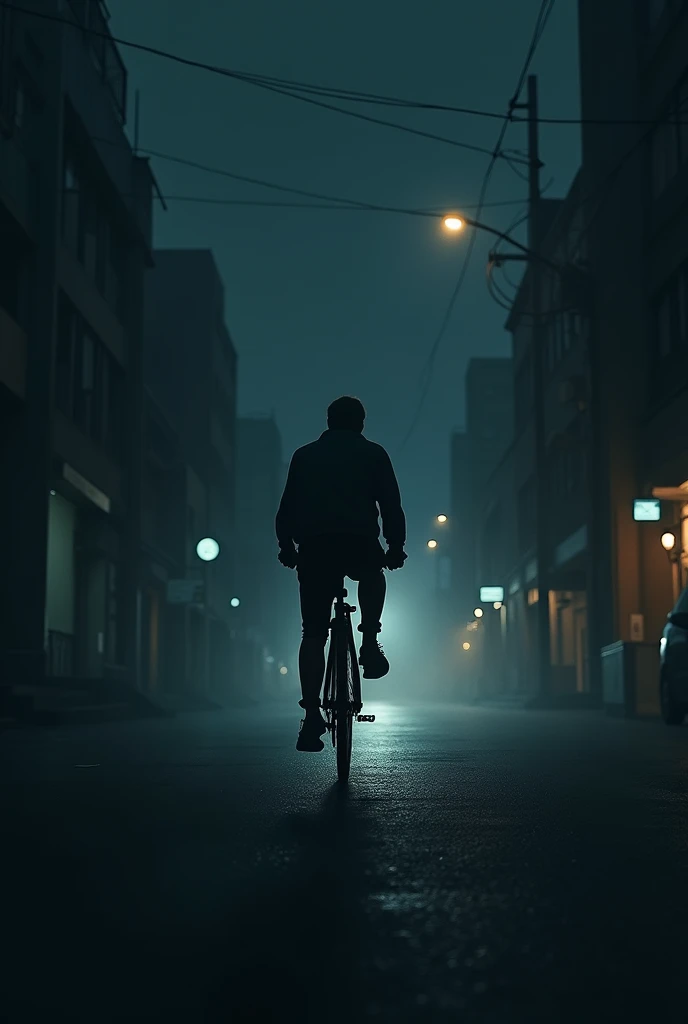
(328, 526)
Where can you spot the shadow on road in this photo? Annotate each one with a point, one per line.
(292, 946)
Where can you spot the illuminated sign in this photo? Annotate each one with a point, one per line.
(490, 595)
(647, 510)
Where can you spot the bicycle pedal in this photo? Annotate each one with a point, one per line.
(365, 718)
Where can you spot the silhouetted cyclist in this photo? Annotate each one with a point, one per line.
(336, 491)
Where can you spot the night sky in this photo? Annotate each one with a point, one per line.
(321, 303)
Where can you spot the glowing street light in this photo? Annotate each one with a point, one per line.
(478, 613)
(284, 670)
(207, 549)
(466, 645)
(432, 544)
(442, 519)
(497, 605)
(453, 223)
(668, 541)
(235, 602)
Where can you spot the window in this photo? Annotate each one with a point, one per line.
(566, 472)
(90, 384)
(84, 392)
(64, 359)
(90, 232)
(71, 202)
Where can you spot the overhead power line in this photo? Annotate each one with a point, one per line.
(222, 201)
(305, 91)
(282, 87)
(325, 201)
(544, 13)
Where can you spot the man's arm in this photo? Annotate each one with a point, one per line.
(285, 521)
(389, 500)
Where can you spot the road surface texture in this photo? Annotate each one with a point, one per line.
(483, 865)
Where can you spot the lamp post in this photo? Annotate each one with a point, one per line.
(207, 551)
(669, 543)
(535, 261)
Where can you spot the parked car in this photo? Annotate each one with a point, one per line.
(673, 659)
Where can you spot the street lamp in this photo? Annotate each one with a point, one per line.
(497, 605)
(466, 645)
(432, 544)
(453, 223)
(235, 602)
(478, 613)
(442, 519)
(207, 549)
(668, 541)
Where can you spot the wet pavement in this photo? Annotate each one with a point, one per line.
(483, 865)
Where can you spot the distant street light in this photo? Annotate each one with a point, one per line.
(442, 519)
(284, 670)
(453, 223)
(432, 544)
(466, 645)
(478, 613)
(497, 605)
(207, 549)
(668, 541)
(235, 602)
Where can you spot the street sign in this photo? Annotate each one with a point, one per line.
(491, 595)
(185, 592)
(647, 510)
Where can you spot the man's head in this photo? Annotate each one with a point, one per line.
(346, 414)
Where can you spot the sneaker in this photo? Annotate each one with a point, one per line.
(373, 661)
(310, 731)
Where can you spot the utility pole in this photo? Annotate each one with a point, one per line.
(535, 264)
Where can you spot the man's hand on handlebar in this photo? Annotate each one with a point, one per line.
(288, 557)
(395, 558)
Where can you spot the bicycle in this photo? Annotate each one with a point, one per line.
(342, 694)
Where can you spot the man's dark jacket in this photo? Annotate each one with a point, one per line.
(341, 484)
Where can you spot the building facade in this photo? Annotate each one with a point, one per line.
(510, 495)
(634, 68)
(190, 369)
(265, 587)
(475, 452)
(75, 218)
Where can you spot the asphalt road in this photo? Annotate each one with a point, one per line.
(483, 865)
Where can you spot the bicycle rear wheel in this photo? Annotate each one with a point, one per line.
(344, 706)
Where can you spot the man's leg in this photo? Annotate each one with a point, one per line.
(372, 588)
(317, 594)
(311, 671)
